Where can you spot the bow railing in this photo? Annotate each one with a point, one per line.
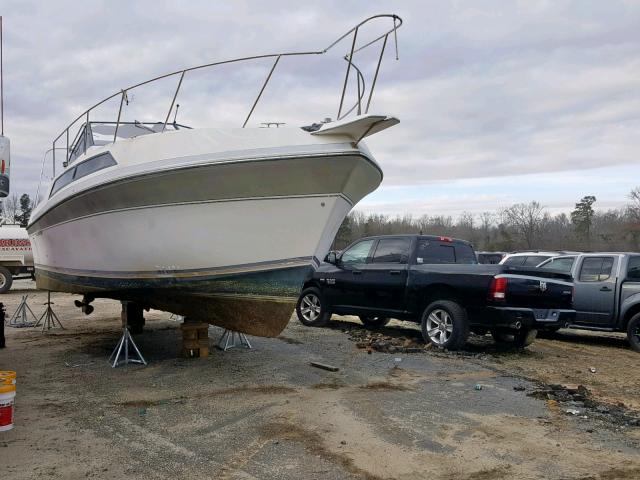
(76, 146)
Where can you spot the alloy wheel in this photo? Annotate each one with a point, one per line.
(310, 307)
(439, 326)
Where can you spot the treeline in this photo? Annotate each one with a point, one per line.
(518, 227)
(16, 209)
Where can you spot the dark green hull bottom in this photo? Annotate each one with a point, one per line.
(256, 303)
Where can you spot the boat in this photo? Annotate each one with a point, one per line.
(219, 225)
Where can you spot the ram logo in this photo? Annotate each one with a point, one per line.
(543, 286)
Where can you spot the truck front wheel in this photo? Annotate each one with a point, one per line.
(445, 325)
(633, 332)
(311, 309)
(6, 280)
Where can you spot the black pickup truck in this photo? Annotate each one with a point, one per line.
(437, 282)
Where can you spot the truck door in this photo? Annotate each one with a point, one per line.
(595, 290)
(384, 278)
(343, 287)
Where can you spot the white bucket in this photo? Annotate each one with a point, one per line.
(7, 398)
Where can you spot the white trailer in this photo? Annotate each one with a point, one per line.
(16, 257)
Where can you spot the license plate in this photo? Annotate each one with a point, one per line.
(545, 315)
(540, 314)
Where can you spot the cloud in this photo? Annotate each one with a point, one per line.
(484, 89)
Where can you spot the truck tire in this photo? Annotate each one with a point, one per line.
(6, 280)
(374, 322)
(311, 309)
(518, 338)
(445, 325)
(633, 332)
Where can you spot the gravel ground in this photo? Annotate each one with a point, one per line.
(408, 413)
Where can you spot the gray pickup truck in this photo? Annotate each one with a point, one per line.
(607, 291)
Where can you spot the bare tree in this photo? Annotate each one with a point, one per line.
(524, 225)
(10, 208)
(526, 219)
(487, 219)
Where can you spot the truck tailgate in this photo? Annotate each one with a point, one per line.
(537, 289)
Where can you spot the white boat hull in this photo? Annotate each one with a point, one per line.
(227, 242)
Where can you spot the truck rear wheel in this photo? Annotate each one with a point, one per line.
(311, 309)
(518, 338)
(374, 322)
(444, 324)
(633, 332)
(6, 280)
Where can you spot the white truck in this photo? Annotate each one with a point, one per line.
(16, 257)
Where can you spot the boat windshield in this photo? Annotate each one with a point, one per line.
(103, 133)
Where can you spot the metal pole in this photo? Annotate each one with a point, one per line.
(115, 134)
(359, 105)
(375, 77)
(175, 95)
(395, 36)
(1, 83)
(66, 157)
(54, 161)
(264, 85)
(346, 77)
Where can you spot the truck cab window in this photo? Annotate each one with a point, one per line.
(562, 264)
(392, 250)
(514, 261)
(357, 254)
(431, 251)
(633, 269)
(534, 260)
(596, 269)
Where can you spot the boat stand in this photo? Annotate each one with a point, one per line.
(49, 319)
(121, 354)
(231, 339)
(20, 317)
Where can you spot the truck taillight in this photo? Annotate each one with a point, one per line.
(446, 239)
(573, 294)
(498, 289)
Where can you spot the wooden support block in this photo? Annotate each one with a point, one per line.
(195, 339)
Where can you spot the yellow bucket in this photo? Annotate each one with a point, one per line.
(7, 399)
(7, 377)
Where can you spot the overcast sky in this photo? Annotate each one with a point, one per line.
(499, 101)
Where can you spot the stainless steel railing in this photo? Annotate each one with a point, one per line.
(73, 148)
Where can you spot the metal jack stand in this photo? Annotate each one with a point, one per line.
(232, 339)
(20, 317)
(122, 348)
(49, 316)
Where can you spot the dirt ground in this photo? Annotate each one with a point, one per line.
(266, 413)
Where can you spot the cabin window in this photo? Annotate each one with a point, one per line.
(94, 164)
(83, 169)
(63, 180)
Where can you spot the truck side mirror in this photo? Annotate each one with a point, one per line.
(331, 258)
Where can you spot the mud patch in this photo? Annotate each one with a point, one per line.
(384, 386)
(577, 400)
(313, 443)
(328, 386)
